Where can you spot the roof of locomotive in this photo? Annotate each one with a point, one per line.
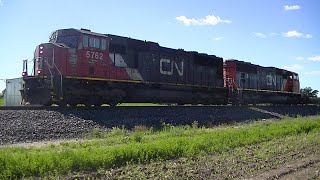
(254, 65)
(87, 31)
(154, 44)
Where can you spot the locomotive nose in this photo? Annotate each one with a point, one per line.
(43, 56)
(38, 60)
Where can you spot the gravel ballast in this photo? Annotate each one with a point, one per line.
(21, 126)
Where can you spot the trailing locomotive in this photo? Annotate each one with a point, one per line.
(83, 67)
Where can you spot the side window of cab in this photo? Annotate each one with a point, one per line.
(103, 44)
(85, 41)
(94, 42)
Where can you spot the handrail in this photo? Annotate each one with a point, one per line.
(61, 83)
(25, 67)
(231, 83)
(53, 65)
(47, 63)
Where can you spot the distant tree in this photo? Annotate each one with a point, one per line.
(2, 94)
(309, 92)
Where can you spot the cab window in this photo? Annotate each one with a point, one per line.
(85, 41)
(70, 40)
(91, 42)
(94, 42)
(103, 44)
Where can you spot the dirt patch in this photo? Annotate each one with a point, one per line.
(303, 169)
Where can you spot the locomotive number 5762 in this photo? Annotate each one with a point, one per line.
(94, 55)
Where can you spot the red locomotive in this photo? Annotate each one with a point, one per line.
(257, 84)
(83, 67)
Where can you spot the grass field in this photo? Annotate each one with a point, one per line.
(1, 102)
(244, 162)
(143, 145)
(140, 104)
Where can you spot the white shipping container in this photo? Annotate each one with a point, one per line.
(12, 94)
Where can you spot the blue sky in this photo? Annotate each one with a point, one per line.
(283, 34)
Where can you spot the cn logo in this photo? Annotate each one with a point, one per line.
(172, 65)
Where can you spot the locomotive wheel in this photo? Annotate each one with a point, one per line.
(73, 104)
(48, 103)
(62, 104)
(87, 104)
(113, 103)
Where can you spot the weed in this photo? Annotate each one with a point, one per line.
(137, 137)
(195, 124)
(141, 128)
(166, 126)
(98, 133)
(116, 131)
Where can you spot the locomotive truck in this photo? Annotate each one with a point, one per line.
(78, 66)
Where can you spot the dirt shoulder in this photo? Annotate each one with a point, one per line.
(294, 157)
(308, 168)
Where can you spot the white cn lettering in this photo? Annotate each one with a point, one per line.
(271, 80)
(173, 65)
(162, 61)
(179, 71)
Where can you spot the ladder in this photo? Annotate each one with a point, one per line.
(50, 67)
(235, 91)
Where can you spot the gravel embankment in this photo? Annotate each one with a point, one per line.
(17, 126)
(37, 125)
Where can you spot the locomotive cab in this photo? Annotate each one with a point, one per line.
(69, 54)
(51, 58)
(49, 65)
(292, 82)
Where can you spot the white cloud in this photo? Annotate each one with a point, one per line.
(218, 38)
(299, 58)
(1, 3)
(261, 35)
(265, 35)
(273, 34)
(293, 7)
(293, 67)
(208, 20)
(293, 34)
(296, 34)
(289, 34)
(314, 58)
(308, 36)
(313, 73)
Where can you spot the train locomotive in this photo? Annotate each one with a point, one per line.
(78, 66)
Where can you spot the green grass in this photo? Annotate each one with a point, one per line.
(120, 147)
(1, 101)
(238, 163)
(141, 104)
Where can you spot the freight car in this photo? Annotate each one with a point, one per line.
(83, 67)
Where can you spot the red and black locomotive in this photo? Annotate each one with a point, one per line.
(83, 67)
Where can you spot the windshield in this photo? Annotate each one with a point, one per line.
(71, 40)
